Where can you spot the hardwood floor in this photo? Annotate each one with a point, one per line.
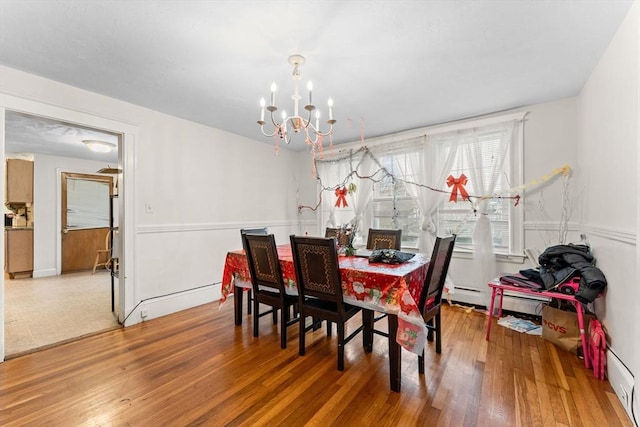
(196, 368)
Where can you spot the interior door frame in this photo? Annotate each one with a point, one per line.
(126, 206)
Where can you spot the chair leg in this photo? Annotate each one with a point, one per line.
(438, 334)
(95, 263)
(340, 345)
(430, 330)
(421, 363)
(329, 328)
(301, 335)
(274, 316)
(284, 319)
(256, 316)
(249, 301)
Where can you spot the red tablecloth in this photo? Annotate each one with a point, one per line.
(386, 288)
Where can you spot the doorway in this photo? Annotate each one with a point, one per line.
(86, 219)
(52, 274)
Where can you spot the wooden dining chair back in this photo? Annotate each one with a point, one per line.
(243, 231)
(267, 282)
(384, 239)
(320, 290)
(335, 232)
(431, 295)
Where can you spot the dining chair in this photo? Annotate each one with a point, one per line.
(335, 232)
(320, 292)
(104, 253)
(384, 239)
(431, 295)
(267, 283)
(243, 231)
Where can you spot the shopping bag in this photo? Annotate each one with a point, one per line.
(561, 328)
(597, 349)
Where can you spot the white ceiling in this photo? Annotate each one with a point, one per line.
(389, 66)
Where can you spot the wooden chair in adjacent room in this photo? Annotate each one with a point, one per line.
(384, 239)
(243, 231)
(267, 282)
(431, 295)
(103, 256)
(320, 291)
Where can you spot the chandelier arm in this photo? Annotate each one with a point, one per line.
(267, 134)
(308, 139)
(329, 132)
(275, 124)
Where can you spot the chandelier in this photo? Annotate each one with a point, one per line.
(295, 122)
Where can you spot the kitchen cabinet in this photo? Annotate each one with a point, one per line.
(19, 181)
(18, 252)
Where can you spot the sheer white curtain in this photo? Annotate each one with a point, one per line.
(485, 174)
(332, 175)
(363, 193)
(429, 163)
(430, 167)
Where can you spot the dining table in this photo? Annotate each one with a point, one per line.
(393, 289)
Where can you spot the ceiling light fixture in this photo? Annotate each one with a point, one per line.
(99, 146)
(110, 170)
(295, 121)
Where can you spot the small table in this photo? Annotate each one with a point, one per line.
(498, 288)
(392, 289)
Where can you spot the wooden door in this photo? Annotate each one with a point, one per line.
(85, 219)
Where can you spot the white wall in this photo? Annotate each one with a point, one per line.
(201, 185)
(46, 185)
(608, 115)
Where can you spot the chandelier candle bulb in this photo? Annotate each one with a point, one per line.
(273, 94)
(317, 119)
(310, 88)
(330, 103)
(262, 110)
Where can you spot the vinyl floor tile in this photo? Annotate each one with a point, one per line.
(49, 310)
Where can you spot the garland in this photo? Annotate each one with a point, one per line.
(457, 183)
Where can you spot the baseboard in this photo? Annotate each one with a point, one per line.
(44, 273)
(471, 296)
(154, 307)
(512, 301)
(522, 304)
(621, 381)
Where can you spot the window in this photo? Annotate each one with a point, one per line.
(392, 205)
(87, 201)
(487, 152)
(459, 217)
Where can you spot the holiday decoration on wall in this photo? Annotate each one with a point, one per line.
(341, 194)
(458, 186)
(352, 188)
